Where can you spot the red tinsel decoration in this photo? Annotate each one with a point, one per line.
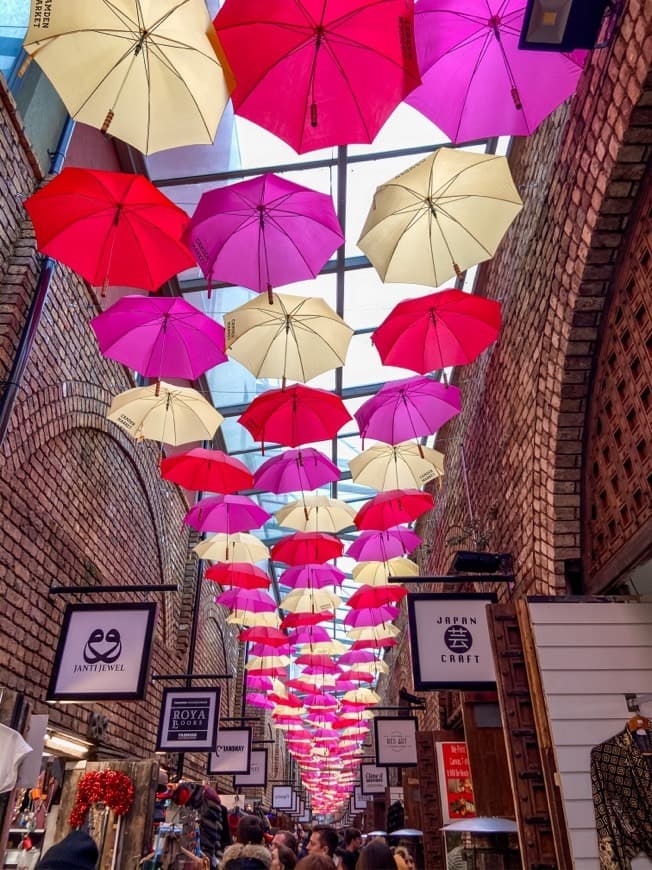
(109, 787)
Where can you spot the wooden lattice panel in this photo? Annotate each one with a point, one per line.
(618, 470)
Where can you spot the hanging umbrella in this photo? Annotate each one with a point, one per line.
(372, 668)
(377, 573)
(286, 700)
(160, 337)
(408, 408)
(371, 616)
(445, 214)
(264, 232)
(312, 576)
(322, 661)
(207, 470)
(262, 684)
(249, 618)
(373, 633)
(295, 620)
(357, 677)
(403, 466)
(319, 74)
(316, 513)
(148, 72)
(383, 545)
(376, 596)
(308, 635)
(477, 83)
(295, 470)
(374, 642)
(110, 227)
(303, 547)
(255, 699)
(310, 601)
(270, 636)
(268, 651)
(239, 547)
(390, 508)
(287, 337)
(165, 413)
(226, 513)
(244, 575)
(320, 702)
(443, 329)
(356, 657)
(362, 697)
(258, 664)
(331, 647)
(296, 415)
(255, 600)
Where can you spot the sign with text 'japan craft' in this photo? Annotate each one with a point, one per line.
(103, 653)
(189, 719)
(373, 780)
(396, 742)
(450, 642)
(232, 751)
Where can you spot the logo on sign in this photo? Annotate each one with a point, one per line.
(396, 741)
(101, 651)
(458, 638)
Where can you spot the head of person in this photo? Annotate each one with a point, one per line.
(323, 841)
(407, 857)
(315, 861)
(77, 851)
(352, 839)
(282, 857)
(250, 830)
(287, 839)
(376, 856)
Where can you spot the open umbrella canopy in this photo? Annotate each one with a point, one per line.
(249, 618)
(371, 616)
(207, 470)
(361, 697)
(270, 636)
(294, 470)
(287, 337)
(383, 545)
(373, 633)
(390, 508)
(239, 547)
(477, 83)
(256, 699)
(310, 601)
(312, 576)
(296, 620)
(262, 684)
(403, 466)
(160, 337)
(377, 573)
(244, 575)
(445, 214)
(254, 600)
(111, 227)
(326, 663)
(148, 72)
(303, 547)
(443, 329)
(375, 596)
(316, 513)
(165, 413)
(350, 63)
(263, 232)
(226, 513)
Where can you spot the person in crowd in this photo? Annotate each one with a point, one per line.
(323, 841)
(376, 856)
(352, 846)
(282, 857)
(456, 860)
(77, 851)
(287, 839)
(399, 861)
(249, 851)
(315, 861)
(406, 856)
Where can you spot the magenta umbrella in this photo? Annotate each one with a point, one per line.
(263, 233)
(160, 337)
(252, 600)
(376, 546)
(262, 684)
(356, 657)
(255, 699)
(477, 83)
(312, 576)
(295, 470)
(309, 634)
(226, 513)
(371, 616)
(406, 409)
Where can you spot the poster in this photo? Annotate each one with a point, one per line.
(373, 780)
(232, 751)
(396, 741)
(455, 781)
(282, 797)
(257, 770)
(188, 720)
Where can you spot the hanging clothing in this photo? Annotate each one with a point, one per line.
(13, 748)
(395, 817)
(621, 779)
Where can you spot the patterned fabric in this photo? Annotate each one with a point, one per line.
(621, 779)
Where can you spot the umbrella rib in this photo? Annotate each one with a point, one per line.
(289, 238)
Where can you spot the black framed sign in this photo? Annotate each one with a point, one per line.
(396, 741)
(373, 780)
(232, 751)
(103, 652)
(257, 770)
(450, 641)
(359, 800)
(282, 797)
(189, 720)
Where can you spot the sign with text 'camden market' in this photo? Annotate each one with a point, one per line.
(450, 641)
(103, 653)
(232, 751)
(189, 720)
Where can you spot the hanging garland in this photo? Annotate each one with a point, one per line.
(109, 787)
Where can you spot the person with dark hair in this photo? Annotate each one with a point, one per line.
(287, 839)
(376, 856)
(77, 851)
(248, 853)
(352, 844)
(315, 861)
(282, 857)
(323, 841)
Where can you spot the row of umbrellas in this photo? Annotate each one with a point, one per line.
(160, 75)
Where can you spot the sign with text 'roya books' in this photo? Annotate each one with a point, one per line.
(455, 785)
(103, 653)
(450, 641)
(189, 720)
(232, 751)
(373, 780)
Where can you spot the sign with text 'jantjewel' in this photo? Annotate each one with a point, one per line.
(396, 741)
(450, 641)
(103, 652)
(257, 770)
(189, 719)
(232, 751)
(373, 780)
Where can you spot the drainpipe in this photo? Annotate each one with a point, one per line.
(33, 319)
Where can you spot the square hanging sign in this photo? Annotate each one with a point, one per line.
(257, 771)
(282, 797)
(189, 720)
(396, 741)
(450, 641)
(103, 653)
(373, 780)
(232, 751)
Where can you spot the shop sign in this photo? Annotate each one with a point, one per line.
(232, 751)
(305, 816)
(455, 781)
(103, 653)
(396, 742)
(257, 771)
(450, 641)
(189, 720)
(359, 800)
(373, 780)
(282, 797)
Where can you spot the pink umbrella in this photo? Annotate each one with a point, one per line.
(160, 337)
(310, 634)
(287, 700)
(371, 616)
(477, 83)
(395, 506)
(294, 470)
(252, 600)
(226, 513)
(318, 663)
(356, 657)
(258, 700)
(264, 232)
(264, 684)
(380, 546)
(406, 409)
(317, 701)
(268, 651)
(312, 576)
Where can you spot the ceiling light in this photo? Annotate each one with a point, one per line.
(563, 25)
(66, 744)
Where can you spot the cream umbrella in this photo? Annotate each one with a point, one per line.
(361, 696)
(403, 466)
(373, 632)
(293, 337)
(147, 72)
(376, 667)
(446, 213)
(310, 601)
(325, 647)
(250, 619)
(379, 573)
(165, 413)
(323, 681)
(316, 513)
(238, 547)
(261, 662)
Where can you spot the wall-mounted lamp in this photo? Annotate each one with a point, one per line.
(564, 25)
(59, 743)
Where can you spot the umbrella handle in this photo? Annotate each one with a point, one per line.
(24, 65)
(107, 121)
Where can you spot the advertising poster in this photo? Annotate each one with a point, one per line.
(455, 781)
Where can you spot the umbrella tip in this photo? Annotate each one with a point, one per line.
(270, 294)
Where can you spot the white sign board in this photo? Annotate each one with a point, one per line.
(373, 780)
(231, 752)
(257, 771)
(282, 797)
(396, 742)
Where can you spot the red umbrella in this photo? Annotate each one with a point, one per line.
(296, 415)
(286, 700)
(376, 596)
(294, 620)
(307, 547)
(111, 227)
(349, 62)
(393, 507)
(263, 634)
(447, 328)
(240, 574)
(207, 470)
(320, 662)
(374, 643)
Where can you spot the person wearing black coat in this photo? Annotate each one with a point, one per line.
(249, 852)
